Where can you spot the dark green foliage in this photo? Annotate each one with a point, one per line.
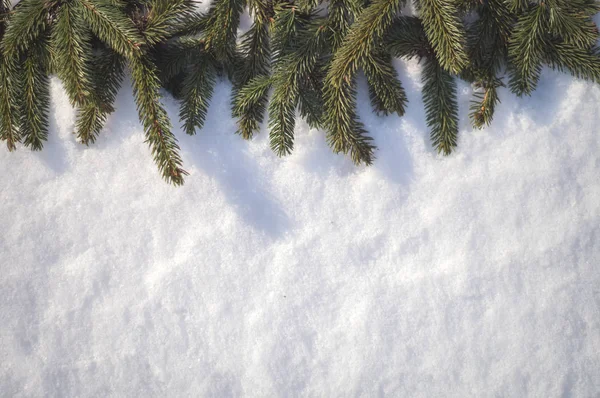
(197, 89)
(299, 58)
(346, 133)
(439, 96)
(386, 93)
(35, 88)
(483, 106)
(156, 123)
(444, 29)
(254, 62)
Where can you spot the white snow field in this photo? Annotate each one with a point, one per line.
(420, 276)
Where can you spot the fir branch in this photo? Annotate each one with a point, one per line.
(197, 90)
(568, 23)
(250, 104)
(581, 63)
(294, 69)
(441, 108)
(255, 56)
(310, 100)
(174, 56)
(526, 50)
(483, 106)
(107, 79)
(385, 90)
(282, 116)
(445, 32)
(342, 14)
(164, 19)
(35, 89)
(27, 22)
(289, 21)
(345, 132)
(487, 38)
(254, 51)
(406, 39)
(112, 26)
(153, 116)
(8, 106)
(220, 29)
(71, 43)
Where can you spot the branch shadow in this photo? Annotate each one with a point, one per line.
(225, 157)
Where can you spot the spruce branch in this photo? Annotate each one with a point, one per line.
(483, 106)
(27, 22)
(255, 58)
(71, 43)
(8, 107)
(250, 104)
(526, 49)
(162, 19)
(345, 132)
(294, 69)
(35, 89)
(197, 90)
(567, 22)
(111, 25)
(385, 90)
(406, 39)
(310, 102)
(220, 28)
(439, 97)
(91, 117)
(581, 63)
(445, 32)
(163, 143)
(255, 49)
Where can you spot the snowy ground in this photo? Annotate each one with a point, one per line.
(473, 275)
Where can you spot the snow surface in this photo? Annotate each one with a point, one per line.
(472, 275)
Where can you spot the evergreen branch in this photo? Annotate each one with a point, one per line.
(385, 90)
(484, 105)
(445, 32)
(288, 23)
(197, 91)
(164, 19)
(71, 43)
(345, 132)
(487, 39)
(570, 24)
(192, 24)
(8, 107)
(35, 89)
(220, 30)
(106, 82)
(310, 100)
(173, 57)
(27, 22)
(441, 108)
(581, 63)
(154, 118)
(254, 51)
(250, 104)
(282, 114)
(342, 14)
(526, 51)
(112, 26)
(406, 39)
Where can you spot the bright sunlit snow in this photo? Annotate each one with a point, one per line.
(421, 276)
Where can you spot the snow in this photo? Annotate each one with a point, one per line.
(472, 275)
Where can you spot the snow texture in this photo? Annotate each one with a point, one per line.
(471, 275)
